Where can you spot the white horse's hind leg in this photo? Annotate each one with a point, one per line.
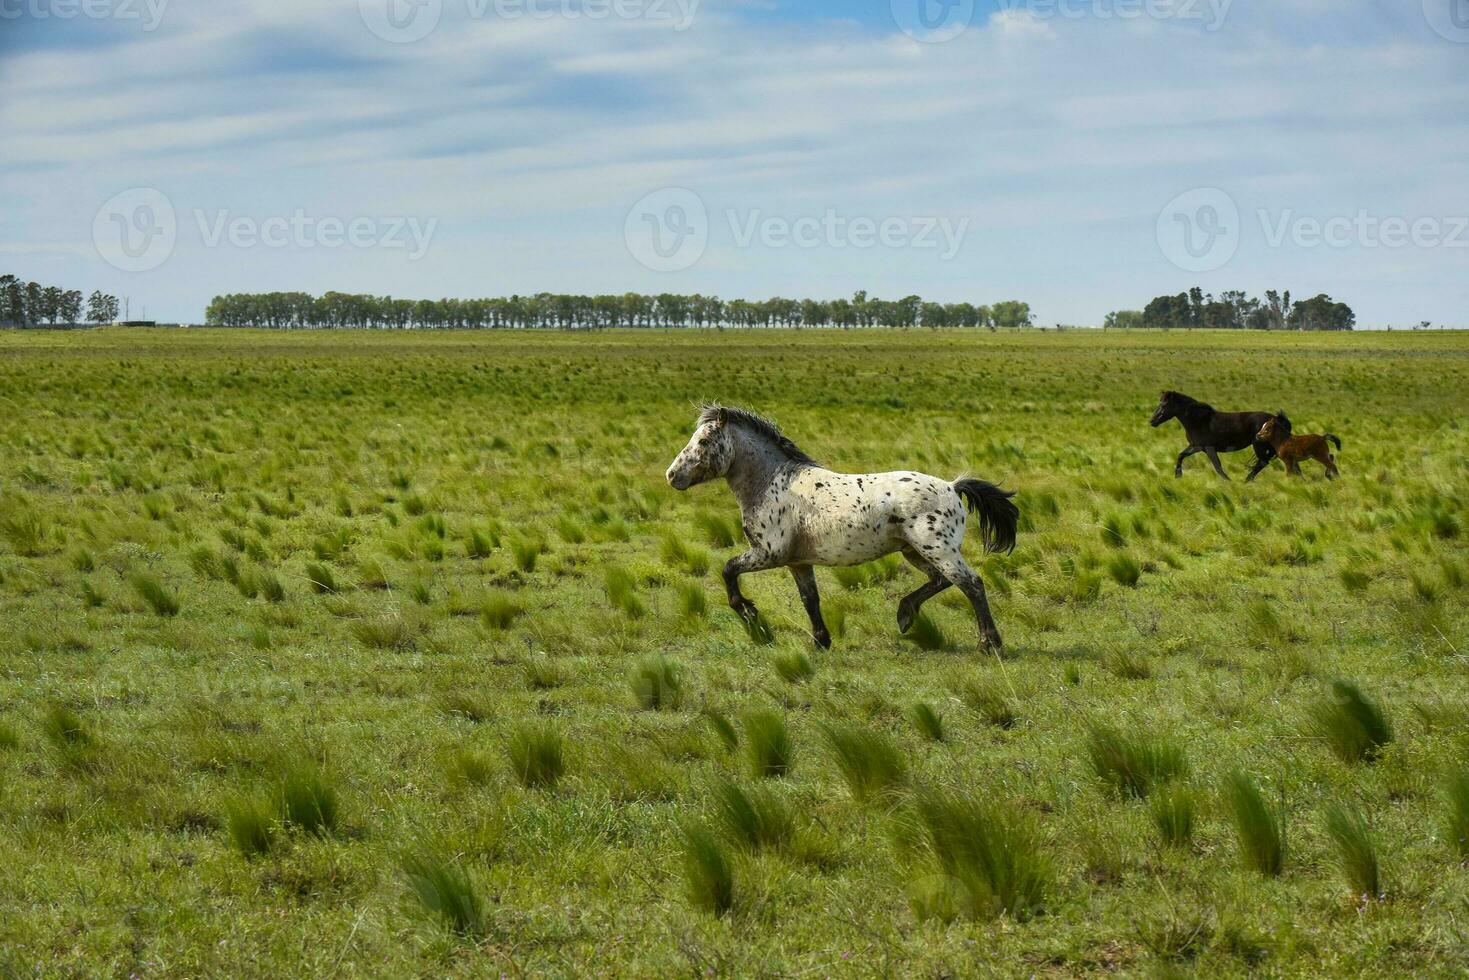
(912, 603)
(956, 570)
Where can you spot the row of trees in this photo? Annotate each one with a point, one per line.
(567, 312)
(29, 304)
(1233, 310)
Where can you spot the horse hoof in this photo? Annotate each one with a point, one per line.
(823, 640)
(905, 620)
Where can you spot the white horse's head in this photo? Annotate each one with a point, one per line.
(708, 454)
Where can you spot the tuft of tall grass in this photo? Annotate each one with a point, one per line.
(723, 728)
(390, 632)
(1173, 810)
(446, 892)
(250, 827)
(499, 611)
(270, 585)
(1352, 724)
(479, 545)
(1356, 852)
(462, 704)
(542, 672)
(929, 722)
(990, 858)
(537, 756)
(708, 875)
(691, 600)
(758, 630)
(309, 801)
(472, 767)
(1261, 830)
(768, 743)
(1457, 823)
(1133, 765)
(755, 818)
(925, 634)
(9, 737)
(719, 532)
(1124, 569)
(793, 666)
(65, 728)
(155, 594)
(621, 592)
(526, 552)
(26, 531)
(322, 580)
(657, 685)
(870, 763)
(989, 701)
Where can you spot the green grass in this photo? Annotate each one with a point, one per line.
(871, 764)
(1133, 764)
(1356, 852)
(1353, 725)
(989, 859)
(468, 496)
(446, 892)
(537, 756)
(768, 743)
(1258, 826)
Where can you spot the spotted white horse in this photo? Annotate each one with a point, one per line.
(797, 514)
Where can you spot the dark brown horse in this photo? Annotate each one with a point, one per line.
(1211, 433)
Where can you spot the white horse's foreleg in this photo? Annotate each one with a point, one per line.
(750, 561)
(956, 570)
(806, 584)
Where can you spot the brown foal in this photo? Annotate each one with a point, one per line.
(1292, 449)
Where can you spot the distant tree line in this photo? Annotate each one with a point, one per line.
(30, 304)
(1233, 310)
(567, 312)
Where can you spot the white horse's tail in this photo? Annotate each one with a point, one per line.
(998, 515)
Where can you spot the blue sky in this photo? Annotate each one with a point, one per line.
(503, 152)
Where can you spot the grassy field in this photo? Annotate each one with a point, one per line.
(387, 655)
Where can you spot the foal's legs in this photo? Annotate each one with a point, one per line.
(1214, 458)
(911, 603)
(750, 561)
(955, 569)
(806, 585)
(1178, 467)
